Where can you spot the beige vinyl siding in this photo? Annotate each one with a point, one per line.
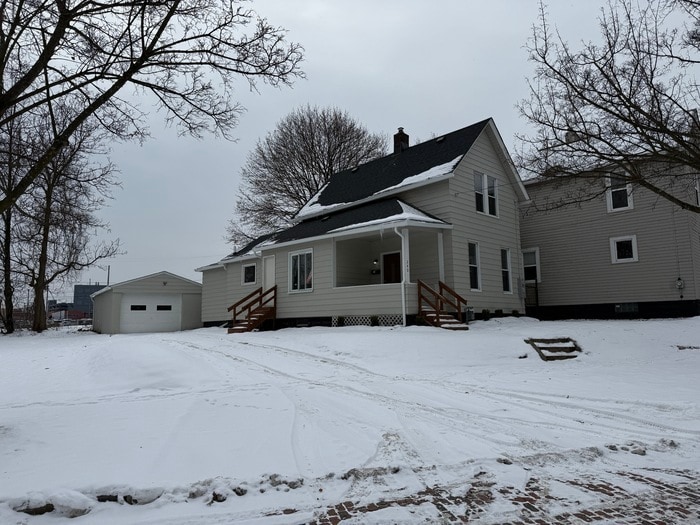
(325, 299)
(575, 255)
(491, 233)
(694, 233)
(105, 312)
(215, 296)
(191, 313)
(453, 201)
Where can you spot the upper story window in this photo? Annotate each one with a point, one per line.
(623, 249)
(248, 274)
(486, 194)
(531, 265)
(301, 271)
(618, 194)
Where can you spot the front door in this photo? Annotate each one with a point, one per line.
(268, 272)
(391, 267)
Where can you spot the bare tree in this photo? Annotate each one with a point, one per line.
(187, 53)
(11, 165)
(291, 163)
(624, 107)
(53, 240)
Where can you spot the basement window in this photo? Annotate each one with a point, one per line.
(138, 307)
(164, 307)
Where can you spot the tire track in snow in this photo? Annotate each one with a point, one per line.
(528, 401)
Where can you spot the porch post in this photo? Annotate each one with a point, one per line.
(405, 268)
(441, 257)
(405, 256)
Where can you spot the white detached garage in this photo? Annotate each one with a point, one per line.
(161, 302)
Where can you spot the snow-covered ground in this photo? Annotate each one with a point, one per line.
(305, 418)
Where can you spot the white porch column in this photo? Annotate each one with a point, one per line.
(441, 256)
(405, 257)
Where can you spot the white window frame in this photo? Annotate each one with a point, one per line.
(613, 249)
(507, 269)
(485, 194)
(477, 266)
(609, 195)
(536, 251)
(255, 280)
(299, 253)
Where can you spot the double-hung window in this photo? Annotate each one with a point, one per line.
(623, 249)
(301, 271)
(505, 271)
(474, 268)
(618, 194)
(485, 194)
(531, 265)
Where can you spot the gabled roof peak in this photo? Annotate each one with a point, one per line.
(393, 173)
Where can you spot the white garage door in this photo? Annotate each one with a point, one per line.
(151, 313)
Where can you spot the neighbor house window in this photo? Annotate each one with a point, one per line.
(531, 265)
(618, 194)
(505, 270)
(485, 194)
(164, 307)
(301, 271)
(138, 307)
(623, 249)
(248, 276)
(474, 277)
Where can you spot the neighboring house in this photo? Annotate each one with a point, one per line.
(442, 211)
(82, 297)
(160, 302)
(625, 253)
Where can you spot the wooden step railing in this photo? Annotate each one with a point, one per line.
(437, 306)
(254, 308)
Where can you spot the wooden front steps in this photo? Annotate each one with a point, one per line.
(441, 308)
(555, 349)
(253, 310)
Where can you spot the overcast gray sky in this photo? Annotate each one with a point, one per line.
(430, 67)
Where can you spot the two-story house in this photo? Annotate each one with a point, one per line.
(424, 228)
(623, 253)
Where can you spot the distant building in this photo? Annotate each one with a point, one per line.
(81, 297)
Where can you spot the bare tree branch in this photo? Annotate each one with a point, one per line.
(619, 106)
(293, 162)
(188, 53)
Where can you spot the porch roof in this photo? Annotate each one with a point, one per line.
(372, 216)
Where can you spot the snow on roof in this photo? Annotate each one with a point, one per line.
(314, 208)
(409, 213)
(437, 171)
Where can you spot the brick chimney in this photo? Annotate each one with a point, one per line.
(400, 141)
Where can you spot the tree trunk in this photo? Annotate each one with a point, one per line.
(39, 324)
(8, 289)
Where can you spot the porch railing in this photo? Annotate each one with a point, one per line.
(254, 302)
(434, 305)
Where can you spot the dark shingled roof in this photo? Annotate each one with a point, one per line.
(368, 179)
(317, 226)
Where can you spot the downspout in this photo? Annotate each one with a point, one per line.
(403, 274)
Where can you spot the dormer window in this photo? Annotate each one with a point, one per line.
(618, 194)
(485, 193)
